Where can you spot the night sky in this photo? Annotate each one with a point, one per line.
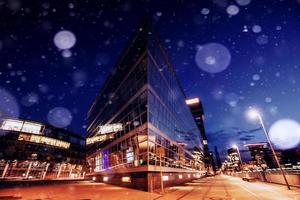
(232, 54)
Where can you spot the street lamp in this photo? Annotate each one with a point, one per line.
(254, 114)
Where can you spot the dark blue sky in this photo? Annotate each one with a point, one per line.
(260, 41)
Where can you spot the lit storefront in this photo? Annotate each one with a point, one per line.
(31, 150)
(141, 131)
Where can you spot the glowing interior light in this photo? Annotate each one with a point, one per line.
(165, 178)
(105, 179)
(126, 179)
(180, 176)
(192, 101)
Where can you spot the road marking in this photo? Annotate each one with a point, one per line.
(185, 194)
(249, 191)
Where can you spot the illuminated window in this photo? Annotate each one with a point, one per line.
(165, 178)
(12, 125)
(30, 127)
(98, 162)
(180, 176)
(129, 155)
(192, 101)
(126, 179)
(105, 179)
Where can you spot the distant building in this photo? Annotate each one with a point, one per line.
(32, 150)
(291, 157)
(196, 108)
(139, 125)
(262, 154)
(234, 161)
(218, 160)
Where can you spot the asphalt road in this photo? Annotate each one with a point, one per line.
(230, 188)
(212, 188)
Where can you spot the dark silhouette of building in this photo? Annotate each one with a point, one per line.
(262, 154)
(141, 133)
(234, 159)
(291, 157)
(218, 160)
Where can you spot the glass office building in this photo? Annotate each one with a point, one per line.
(32, 150)
(196, 108)
(140, 130)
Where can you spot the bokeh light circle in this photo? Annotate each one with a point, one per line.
(59, 117)
(205, 11)
(232, 10)
(232, 99)
(213, 58)
(9, 106)
(64, 39)
(243, 2)
(30, 99)
(262, 39)
(256, 28)
(66, 53)
(285, 134)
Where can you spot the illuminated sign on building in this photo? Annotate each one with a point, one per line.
(109, 128)
(192, 101)
(43, 140)
(23, 126)
(98, 138)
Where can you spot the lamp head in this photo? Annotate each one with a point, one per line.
(253, 114)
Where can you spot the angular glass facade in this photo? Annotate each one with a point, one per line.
(158, 131)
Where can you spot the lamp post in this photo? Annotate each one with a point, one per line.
(254, 114)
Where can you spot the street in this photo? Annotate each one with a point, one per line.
(211, 188)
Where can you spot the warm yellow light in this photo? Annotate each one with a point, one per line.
(43, 140)
(180, 176)
(192, 101)
(126, 179)
(105, 179)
